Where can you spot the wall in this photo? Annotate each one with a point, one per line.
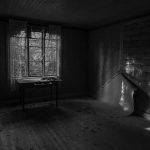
(125, 46)
(74, 63)
(74, 68)
(136, 46)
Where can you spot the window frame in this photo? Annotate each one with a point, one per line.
(44, 30)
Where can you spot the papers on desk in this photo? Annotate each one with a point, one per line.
(35, 80)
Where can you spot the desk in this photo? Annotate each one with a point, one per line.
(37, 83)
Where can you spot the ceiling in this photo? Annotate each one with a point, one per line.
(77, 13)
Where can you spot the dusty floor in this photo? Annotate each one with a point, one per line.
(76, 125)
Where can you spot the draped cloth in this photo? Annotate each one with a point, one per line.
(55, 35)
(17, 51)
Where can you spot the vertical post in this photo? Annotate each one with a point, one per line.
(51, 91)
(22, 95)
(56, 96)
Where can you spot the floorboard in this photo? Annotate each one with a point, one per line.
(75, 125)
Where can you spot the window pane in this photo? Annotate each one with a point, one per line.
(35, 49)
(35, 68)
(36, 35)
(35, 57)
(51, 36)
(50, 54)
(16, 41)
(21, 34)
(50, 43)
(18, 49)
(35, 42)
(35, 54)
(19, 57)
(20, 69)
(50, 68)
(47, 36)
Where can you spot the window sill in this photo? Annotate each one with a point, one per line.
(38, 79)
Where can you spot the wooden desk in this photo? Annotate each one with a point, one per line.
(37, 83)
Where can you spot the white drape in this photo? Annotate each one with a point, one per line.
(17, 51)
(55, 34)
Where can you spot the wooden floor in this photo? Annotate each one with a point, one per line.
(74, 126)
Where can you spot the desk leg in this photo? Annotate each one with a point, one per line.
(51, 94)
(22, 96)
(56, 98)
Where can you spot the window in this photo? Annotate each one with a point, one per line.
(35, 51)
